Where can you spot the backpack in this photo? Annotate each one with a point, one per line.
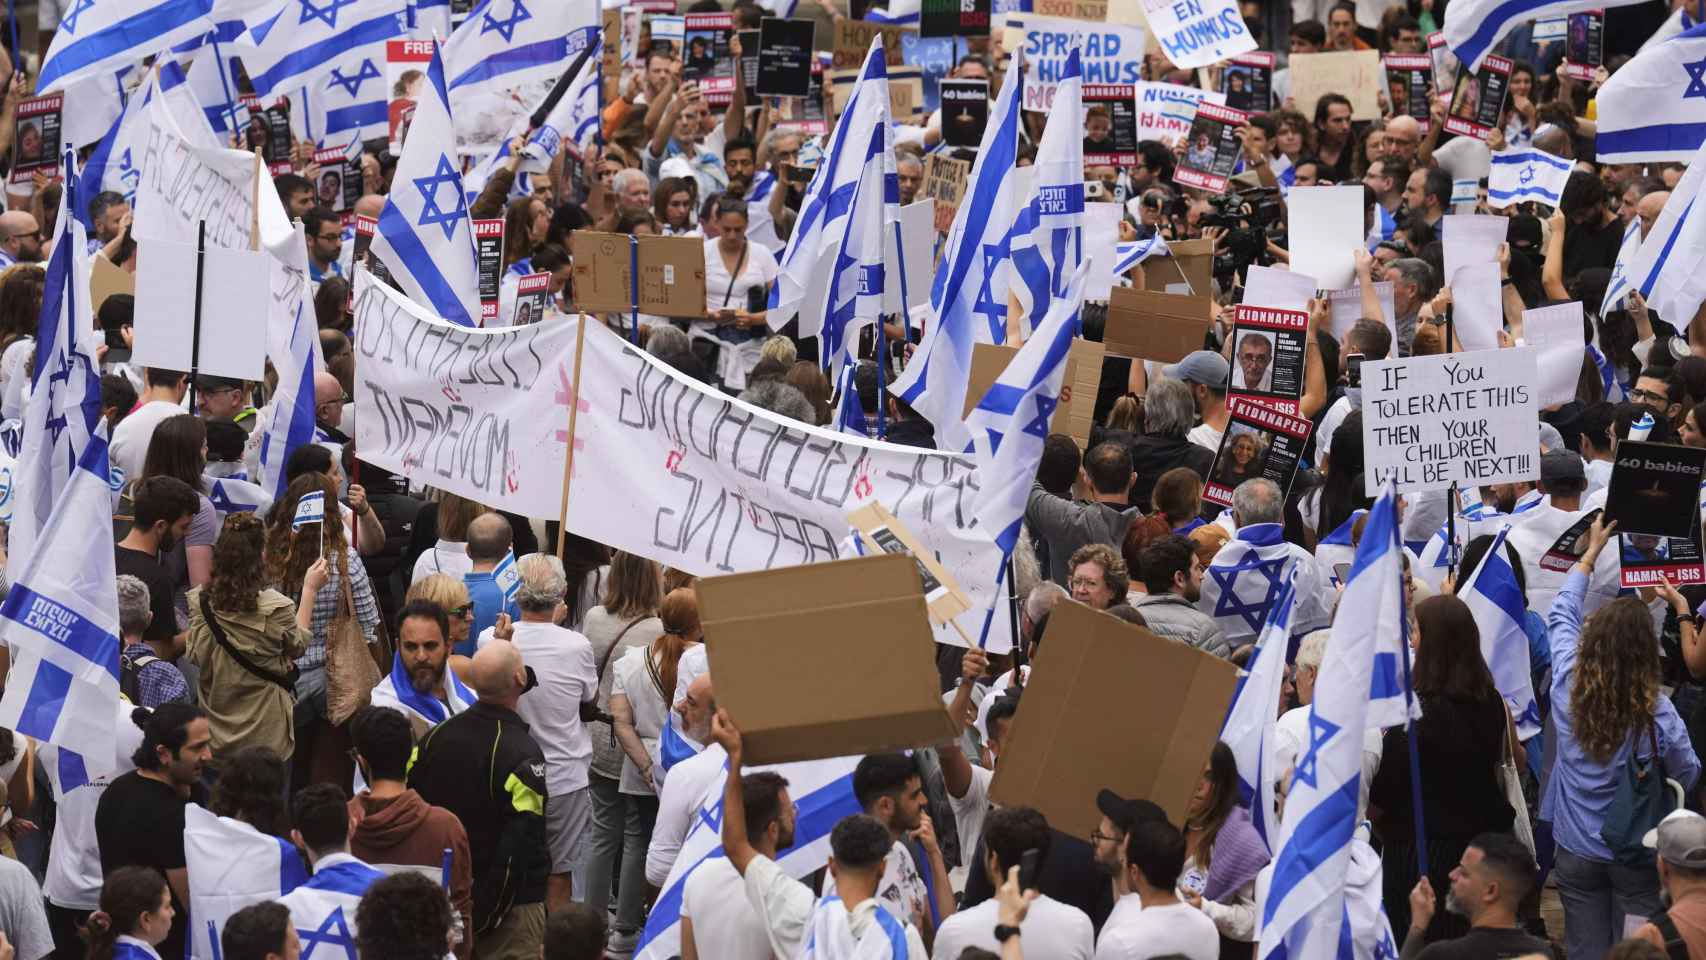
(130, 676)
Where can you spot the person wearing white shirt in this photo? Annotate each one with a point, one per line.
(562, 661)
(163, 398)
(1107, 845)
(968, 785)
(890, 787)
(1166, 926)
(1052, 930)
(688, 781)
(717, 921)
(859, 846)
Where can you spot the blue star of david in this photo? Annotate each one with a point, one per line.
(1696, 79)
(431, 213)
(327, 14)
(1038, 427)
(352, 85)
(994, 313)
(712, 817)
(506, 28)
(1527, 175)
(325, 934)
(69, 24)
(224, 504)
(1385, 949)
(1321, 731)
(1230, 604)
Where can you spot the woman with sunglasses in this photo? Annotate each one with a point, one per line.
(452, 595)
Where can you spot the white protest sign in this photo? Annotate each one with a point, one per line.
(1276, 288)
(235, 298)
(1109, 53)
(1165, 110)
(1555, 333)
(1464, 418)
(1196, 33)
(1325, 225)
(1345, 309)
(1477, 307)
(1471, 239)
(917, 254)
(183, 185)
(1101, 239)
(664, 467)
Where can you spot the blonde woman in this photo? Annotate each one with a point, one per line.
(451, 594)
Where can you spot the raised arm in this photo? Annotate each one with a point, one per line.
(1552, 269)
(735, 841)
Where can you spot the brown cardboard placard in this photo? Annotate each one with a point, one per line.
(1354, 73)
(1095, 11)
(1170, 699)
(853, 42)
(1145, 325)
(1083, 375)
(672, 274)
(778, 643)
(1191, 262)
(106, 279)
(882, 532)
(945, 182)
(906, 91)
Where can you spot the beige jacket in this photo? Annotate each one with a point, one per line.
(243, 709)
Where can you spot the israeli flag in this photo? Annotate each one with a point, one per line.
(1302, 914)
(98, 100)
(230, 495)
(508, 577)
(1129, 255)
(298, 41)
(1336, 547)
(1653, 109)
(969, 292)
(899, 13)
(425, 237)
(1668, 266)
(429, 18)
(1385, 227)
(65, 387)
(823, 795)
(293, 342)
(673, 745)
(1048, 238)
(508, 43)
(1492, 595)
(61, 622)
(232, 865)
(850, 413)
(1249, 726)
(1526, 174)
(104, 35)
(1473, 28)
(310, 509)
(1245, 579)
(349, 103)
(1440, 552)
(210, 72)
(1010, 424)
(323, 909)
(575, 118)
(1619, 286)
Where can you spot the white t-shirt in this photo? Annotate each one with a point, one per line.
(694, 663)
(74, 877)
(1204, 435)
(446, 556)
(1051, 930)
(686, 785)
(1177, 928)
(1330, 421)
(133, 433)
(1124, 908)
(900, 889)
(568, 676)
(784, 906)
(724, 924)
(631, 679)
(971, 809)
(13, 378)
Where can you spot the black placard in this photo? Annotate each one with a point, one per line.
(37, 137)
(1268, 356)
(965, 112)
(1479, 99)
(1211, 148)
(785, 57)
(1645, 561)
(532, 299)
(1410, 85)
(489, 248)
(749, 63)
(1655, 488)
(1248, 82)
(1584, 45)
(953, 18)
(337, 186)
(1259, 442)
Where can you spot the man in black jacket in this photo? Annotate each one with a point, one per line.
(484, 766)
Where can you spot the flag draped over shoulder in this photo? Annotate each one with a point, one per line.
(1249, 727)
(231, 865)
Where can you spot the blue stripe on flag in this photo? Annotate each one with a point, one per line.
(377, 30)
(130, 33)
(1664, 254)
(63, 626)
(517, 58)
(1474, 47)
(401, 235)
(1654, 138)
(359, 115)
(1326, 828)
(45, 702)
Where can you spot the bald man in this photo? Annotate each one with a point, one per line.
(1648, 209)
(490, 540)
(20, 238)
(687, 781)
(1403, 137)
(484, 766)
(329, 400)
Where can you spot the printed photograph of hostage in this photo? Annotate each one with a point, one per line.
(1253, 371)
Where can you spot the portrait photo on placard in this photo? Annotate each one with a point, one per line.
(1254, 354)
(1243, 454)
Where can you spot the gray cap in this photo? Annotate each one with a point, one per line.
(1558, 465)
(1680, 838)
(1550, 438)
(1203, 367)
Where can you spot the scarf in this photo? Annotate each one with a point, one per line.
(424, 705)
(829, 935)
(1239, 854)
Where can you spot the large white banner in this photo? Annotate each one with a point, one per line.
(1109, 53)
(665, 467)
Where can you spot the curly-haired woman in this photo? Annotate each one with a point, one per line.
(1607, 709)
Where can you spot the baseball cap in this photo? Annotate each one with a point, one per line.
(1126, 814)
(1203, 367)
(1680, 838)
(1558, 465)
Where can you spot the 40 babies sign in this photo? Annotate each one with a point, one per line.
(1464, 418)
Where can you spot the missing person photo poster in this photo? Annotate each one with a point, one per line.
(1655, 488)
(1646, 561)
(37, 136)
(1479, 99)
(489, 249)
(1409, 80)
(1211, 148)
(1248, 82)
(965, 113)
(707, 60)
(406, 63)
(532, 298)
(784, 57)
(1584, 45)
(1445, 65)
(1267, 356)
(338, 184)
(804, 115)
(1110, 124)
(1569, 546)
(1259, 442)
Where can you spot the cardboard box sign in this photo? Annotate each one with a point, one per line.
(1168, 699)
(1145, 325)
(672, 274)
(106, 279)
(825, 660)
(1189, 270)
(1083, 375)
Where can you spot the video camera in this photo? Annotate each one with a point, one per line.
(1248, 216)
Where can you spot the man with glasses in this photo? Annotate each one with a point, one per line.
(1107, 843)
(217, 397)
(324, 230)
(1660, 390)
(20, 238)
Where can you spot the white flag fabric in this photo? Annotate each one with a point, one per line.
(349, 102)
(1619, 285)
(1526, 174)
(425, 236)
(969, 293)
(1473, 28)
(298, 41)
(509, 43)
(1650, 111)
(1249, 728)
(232, 865)
(1245, 578)
(1493, 596)
(323, 909)
(1048, 238)
(60, 620)
(1670, 267)
(104, 35)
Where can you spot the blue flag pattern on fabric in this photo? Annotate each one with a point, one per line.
(1473, 28)
(323, 909)
(673, 746)
(397, 691)
(1048, 237)
(1129, 254)
(849, 412)
(311, 508)
(1650, 111)
(969, 290)
(1244, 579)
(1249, 727)
(103, 35)
(1667, 268)
(1493, 596)
(348, 103)
(1619, 285)
(1527, 174)
(292, 422)
(231, 865)
(299, 41)
(425, 236)
(508, 576)
(507, 43)
(61, 622)
(1303, 913)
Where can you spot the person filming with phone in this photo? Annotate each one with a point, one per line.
(1018, 838)
(738, 274)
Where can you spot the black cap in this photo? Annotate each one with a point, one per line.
(1126, 814)
(1558, 465)
(207, 382)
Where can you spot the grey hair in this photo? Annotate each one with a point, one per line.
(135, 607)
(626, 176)
(907, 159)
(1313, 649)
(543, 582)
(1417, 271)
(665, 338)
(1027, 571)
(1257, 501)
(782, 399)
(775, 136)
(1042, 598)
(1168, 409)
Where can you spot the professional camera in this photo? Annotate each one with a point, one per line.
(1249, 217)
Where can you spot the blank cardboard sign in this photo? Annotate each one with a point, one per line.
(1165, 327)
(235, 292)
(1167, 701)
(825, 660)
